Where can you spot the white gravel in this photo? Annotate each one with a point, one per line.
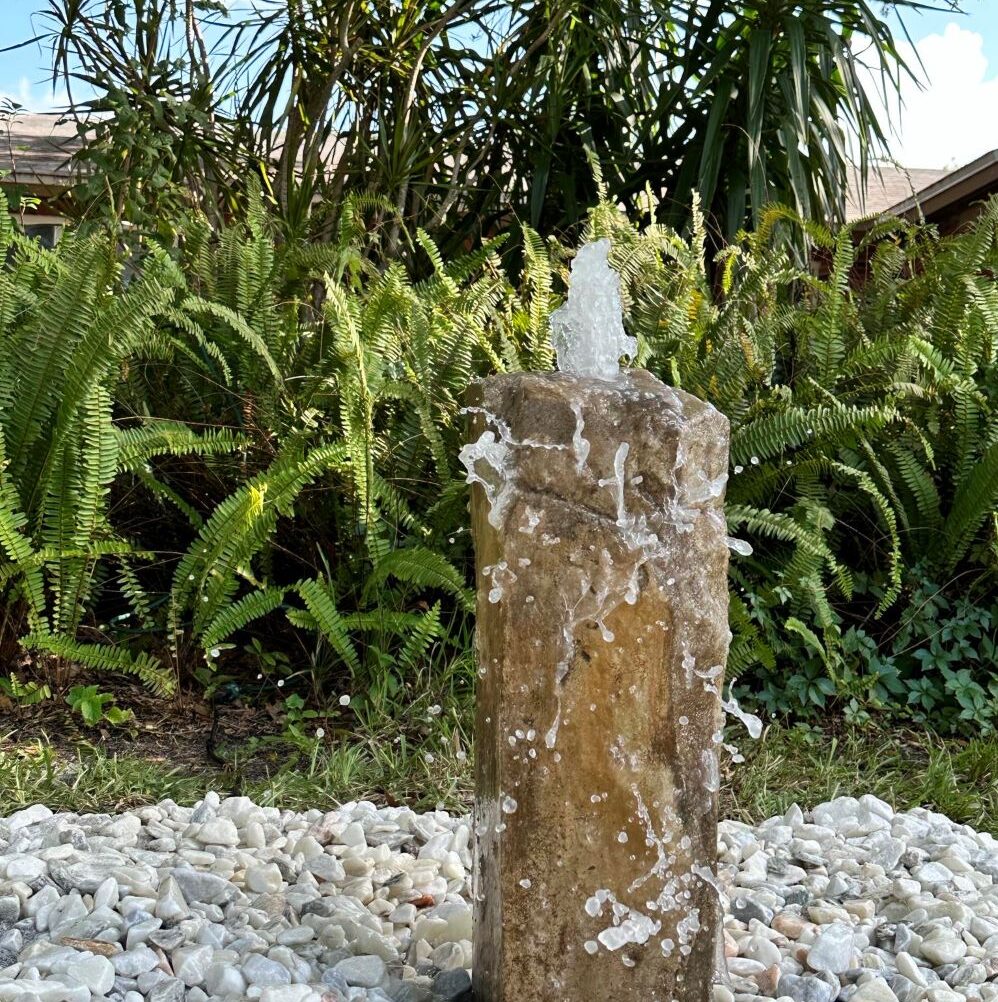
(230, 901)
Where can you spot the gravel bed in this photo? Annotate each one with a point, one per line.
(230, 901)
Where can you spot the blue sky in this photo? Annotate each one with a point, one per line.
(980, 16)
(23, 73)
(950, 121)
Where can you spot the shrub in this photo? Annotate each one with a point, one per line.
(239, 454)
(864, 437)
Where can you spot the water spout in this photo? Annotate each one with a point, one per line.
(588, 331)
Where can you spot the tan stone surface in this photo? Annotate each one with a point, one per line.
(599, 743)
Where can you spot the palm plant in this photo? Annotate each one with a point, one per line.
(469, 113)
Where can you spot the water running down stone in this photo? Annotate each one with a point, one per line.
(603, 489)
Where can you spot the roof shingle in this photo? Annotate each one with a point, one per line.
(36, 149)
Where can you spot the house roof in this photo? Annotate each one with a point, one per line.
(36, 149)
(949, 199)
(887, 186)
(955, 190)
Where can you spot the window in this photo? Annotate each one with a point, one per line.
(47, 234)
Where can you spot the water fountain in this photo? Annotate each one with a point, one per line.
(602, 630)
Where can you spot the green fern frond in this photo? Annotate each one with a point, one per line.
(137, 445)
(209, 573)
(319, 602)
(240, 614)
(423, 568)
(774, 434)
(420, 638)
(197, 306)
(975, 499)
(159, 680)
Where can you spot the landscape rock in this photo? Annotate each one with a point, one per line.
(865, 933)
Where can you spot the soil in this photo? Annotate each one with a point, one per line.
(174, 731)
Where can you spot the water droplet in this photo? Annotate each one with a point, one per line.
(740, 546)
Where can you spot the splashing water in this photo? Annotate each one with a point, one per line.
(740, 546)
(588, 331)
(752, 723)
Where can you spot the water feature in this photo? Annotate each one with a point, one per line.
(588, 331)
(602, 631)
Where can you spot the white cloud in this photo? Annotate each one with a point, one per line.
(952, 118)
(34, 97)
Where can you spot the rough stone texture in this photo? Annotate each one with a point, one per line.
(607, 747)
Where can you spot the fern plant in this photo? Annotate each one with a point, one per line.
(360, 476)
(243, 438)
(69, 325)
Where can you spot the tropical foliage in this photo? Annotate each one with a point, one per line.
(230, 455)
(465, 114)
(864, 448)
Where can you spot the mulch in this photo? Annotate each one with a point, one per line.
(171, 730)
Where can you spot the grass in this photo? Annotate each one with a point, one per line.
(908, 769)
(92, 780)
(787, 765)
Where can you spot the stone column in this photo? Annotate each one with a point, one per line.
(602, 634)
